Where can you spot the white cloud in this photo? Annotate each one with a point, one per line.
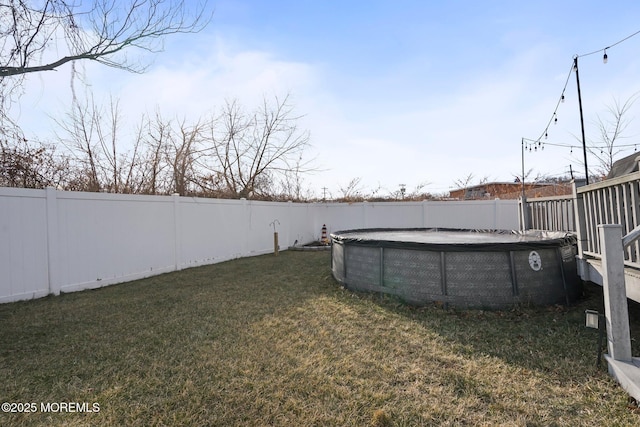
(476, 128)
(200, 85)
(192, 89)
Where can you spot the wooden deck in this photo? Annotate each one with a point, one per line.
(613, 201)
(590, 269)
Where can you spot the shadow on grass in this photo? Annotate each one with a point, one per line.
(545, 338)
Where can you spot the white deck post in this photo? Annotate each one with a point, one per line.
(615, 295)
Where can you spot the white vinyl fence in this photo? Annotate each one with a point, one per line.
(53, 241)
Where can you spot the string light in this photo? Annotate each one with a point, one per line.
(532, 145)
(554, 117)
(610, 46)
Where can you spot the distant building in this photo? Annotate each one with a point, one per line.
(624, 166)
(510, 190)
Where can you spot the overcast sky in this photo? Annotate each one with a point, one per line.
(392, 92)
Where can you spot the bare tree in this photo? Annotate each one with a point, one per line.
(94, 139)
(236, 154)
(292, 184)
(418, 192)
(78, 130)
(464, 182)
(28, 164)
(184, 152)
(228, 133)
(117, 178)
(352, 191)
(252, 152)
(156, 134)
(38, 36)
(611, 131)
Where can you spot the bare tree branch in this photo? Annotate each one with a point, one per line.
(252, 152)
(612, 131)
(38, 36)
(98, 33)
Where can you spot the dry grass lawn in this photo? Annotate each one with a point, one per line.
(274, 341)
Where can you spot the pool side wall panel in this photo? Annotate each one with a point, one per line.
(413, 275)
(482, 279)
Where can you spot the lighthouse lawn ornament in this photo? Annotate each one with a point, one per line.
(324, 240)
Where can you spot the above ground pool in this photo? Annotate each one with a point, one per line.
(462, 268)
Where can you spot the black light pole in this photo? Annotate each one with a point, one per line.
(523, 191)
(584, 144)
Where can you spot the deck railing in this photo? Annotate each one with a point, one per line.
(613, 201)
(555, 213)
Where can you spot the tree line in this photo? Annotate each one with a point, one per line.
(235, 152)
